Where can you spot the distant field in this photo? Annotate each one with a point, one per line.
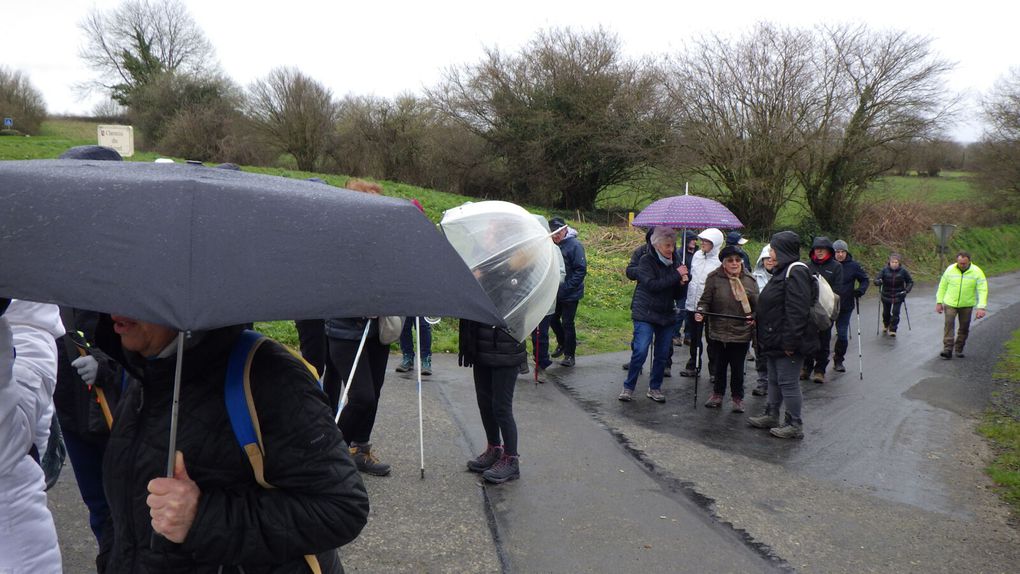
(56, 137)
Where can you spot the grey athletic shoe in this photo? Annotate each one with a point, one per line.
(506, 468)
(406, 364)
(656, 395)
(789, 430)
(426, 365)
(626, 395)
(766, 420)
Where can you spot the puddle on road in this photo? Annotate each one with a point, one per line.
(949, 393)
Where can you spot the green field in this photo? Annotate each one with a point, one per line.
(1001, 424)
(604, 316)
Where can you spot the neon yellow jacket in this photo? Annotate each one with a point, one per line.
(963, 288)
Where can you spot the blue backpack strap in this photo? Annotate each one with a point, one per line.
(240, 407)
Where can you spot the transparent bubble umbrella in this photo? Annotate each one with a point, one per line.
(511, 255)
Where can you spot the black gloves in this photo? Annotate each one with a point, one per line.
(859, 293)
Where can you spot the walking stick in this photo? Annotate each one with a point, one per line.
(878, 318)
(906, 310)
(697, 372)
(860, 353)
(417, 363)
(350, 380)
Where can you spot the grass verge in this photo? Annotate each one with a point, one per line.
(1001, 425)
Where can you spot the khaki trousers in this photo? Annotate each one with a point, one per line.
(951, 342)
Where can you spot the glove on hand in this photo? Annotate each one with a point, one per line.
(877, 282)
(88, 368)
(859, 293)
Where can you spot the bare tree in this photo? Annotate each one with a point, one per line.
(739, 107)
(568, 115)
(140, 40)
(998, 153)
(294, 113)
(20, 101)
(873, 90)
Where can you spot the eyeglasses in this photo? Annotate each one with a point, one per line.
(733, 259)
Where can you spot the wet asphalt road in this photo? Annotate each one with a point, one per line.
(887, 479)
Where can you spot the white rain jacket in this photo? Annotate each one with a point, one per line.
(702, 264)
(28, 373)
(760, 274)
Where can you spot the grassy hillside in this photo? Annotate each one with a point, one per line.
(604, 315)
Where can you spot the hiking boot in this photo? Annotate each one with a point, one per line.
(789, 430)
(738, 404)
(541, 376)
(568, 361)
(885, 330)
(818, 377)
(761, 390)
(524, 369)
(557, 353)
(656, 395)
(689, 373)
(668, 373)
(506, 468)
(766, 420)
(838, 367)
(805, 373)
(626, 395)
(959, 354)
(366, 461)
(426, 365)
(892, 333)
(714, 401)
(484, 461)
(946, 355)
(406, 364)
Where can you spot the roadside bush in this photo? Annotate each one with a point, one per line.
(21, 101)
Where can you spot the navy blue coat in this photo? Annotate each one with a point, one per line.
(658, 287)
(572, 288)
(855, 282)
(894, 284)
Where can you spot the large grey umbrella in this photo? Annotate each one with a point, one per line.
(197, 248)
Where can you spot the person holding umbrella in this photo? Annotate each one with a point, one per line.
(893, 282)
(213, 511)
(660, 276)
(786, 335)
(730, 293)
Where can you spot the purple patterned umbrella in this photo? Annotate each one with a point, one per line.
(687, 211)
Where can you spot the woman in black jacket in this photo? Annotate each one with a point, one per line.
(894, 282)
(786, 334)
(212, 515)
(495, 357)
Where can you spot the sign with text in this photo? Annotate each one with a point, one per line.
(120, 138)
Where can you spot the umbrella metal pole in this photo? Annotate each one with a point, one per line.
(350, 380)
(175, 408)
(860, 353)
(417, 362)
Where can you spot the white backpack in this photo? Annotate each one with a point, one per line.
(825, 308)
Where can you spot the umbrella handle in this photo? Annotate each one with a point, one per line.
(175, 407)
(347, 386)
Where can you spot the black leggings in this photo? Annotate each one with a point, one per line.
(494, 387)
(732, 355)
(358, 417)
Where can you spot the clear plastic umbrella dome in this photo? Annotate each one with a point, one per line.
(511, 255)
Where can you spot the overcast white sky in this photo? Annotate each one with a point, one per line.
(385, 48)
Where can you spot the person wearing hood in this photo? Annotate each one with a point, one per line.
(214, 512)
(729, 290)
(893, 282)
(823, 262)
(571, 290)
(762, 273)
(28, 372)
(853, 287)
(705, 261)
(737, 240)
(786, 335)
(659, 279)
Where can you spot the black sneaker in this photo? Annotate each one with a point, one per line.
(367, 462)
(668, 373)
(557, 353)
(484, 461)
(959, 354)
(838, 367)
(626, 366)
(946, 355)
(506, 468)
(568, 361)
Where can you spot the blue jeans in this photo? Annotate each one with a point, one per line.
(407, 342)
(843, 323)
(644, 333)
(87, 462)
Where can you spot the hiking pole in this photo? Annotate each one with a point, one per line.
(417, 362)
(878, 318)
(697, 372)
(350, 380)
(906, 310)
(860, 353)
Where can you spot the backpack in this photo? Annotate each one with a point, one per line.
(241, 409)
(825, 308)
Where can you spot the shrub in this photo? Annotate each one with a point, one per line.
(21, 101)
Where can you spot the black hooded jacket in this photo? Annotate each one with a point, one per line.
(830, 269)
(319, 501)
(784, 305)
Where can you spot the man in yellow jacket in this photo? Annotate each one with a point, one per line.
(962, 288)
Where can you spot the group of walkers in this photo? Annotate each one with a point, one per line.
(729, 308)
